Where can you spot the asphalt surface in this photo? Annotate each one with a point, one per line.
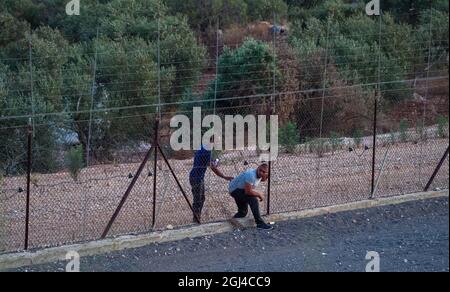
(412, 237)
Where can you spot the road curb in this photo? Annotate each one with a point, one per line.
(17, 260)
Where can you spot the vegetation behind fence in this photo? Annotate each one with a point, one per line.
(89, 89)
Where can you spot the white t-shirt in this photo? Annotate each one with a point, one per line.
(248, 177)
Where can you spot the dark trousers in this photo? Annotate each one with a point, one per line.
(243, 201)
(198, 192)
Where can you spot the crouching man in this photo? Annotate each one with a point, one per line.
(242, 189)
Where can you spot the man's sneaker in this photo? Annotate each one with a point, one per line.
(239, 216)
(264, 226)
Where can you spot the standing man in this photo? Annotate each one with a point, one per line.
(242, 189)
(202, 161)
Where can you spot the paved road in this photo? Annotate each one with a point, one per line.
(409, 237)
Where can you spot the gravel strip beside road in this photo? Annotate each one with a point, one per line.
(409, 237)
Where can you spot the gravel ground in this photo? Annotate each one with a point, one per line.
(64, 212)
(411, 237)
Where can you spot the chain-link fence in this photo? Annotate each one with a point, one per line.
(98, 166)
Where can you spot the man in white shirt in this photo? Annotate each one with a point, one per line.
(242, 189)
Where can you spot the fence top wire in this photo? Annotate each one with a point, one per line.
(348, 71)
(208, 110)
(364, 54)
(303, 65)
(154, 105)
(349, 80)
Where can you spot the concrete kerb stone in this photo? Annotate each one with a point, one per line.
(357, 205)
(17, 260)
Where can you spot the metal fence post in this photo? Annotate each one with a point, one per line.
(127, 193)
(27, 216)
(272, 108)
(436, 171)
(269, 189)
(374, 148)
(269, 182)
(155, 169)
(178, 183)
(375, 115)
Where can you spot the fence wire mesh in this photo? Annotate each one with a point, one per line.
(86, 154)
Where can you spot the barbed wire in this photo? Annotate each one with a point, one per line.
(143, 89)
(197, 77)
(223, 99)
(267, 87)
(304, 99)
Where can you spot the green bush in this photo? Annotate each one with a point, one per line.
(335, 141)
(403, 129)
(2, 213)
(259, 10)
(75, 161)
(399, 7)
(205, 14)
(63, 50)
(14, 100)
(245, 71)
(354, 39)
(440, 27)
(289, 137)
(442, 126)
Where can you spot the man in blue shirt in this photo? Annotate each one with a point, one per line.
(202, 161)
(242, 189)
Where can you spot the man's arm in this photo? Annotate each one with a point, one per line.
(219, 173)
(250, 191)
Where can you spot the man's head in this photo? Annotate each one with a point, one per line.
(262, 172)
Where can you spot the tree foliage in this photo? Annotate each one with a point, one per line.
(246, 71)
(90, 73)
(107, 58)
